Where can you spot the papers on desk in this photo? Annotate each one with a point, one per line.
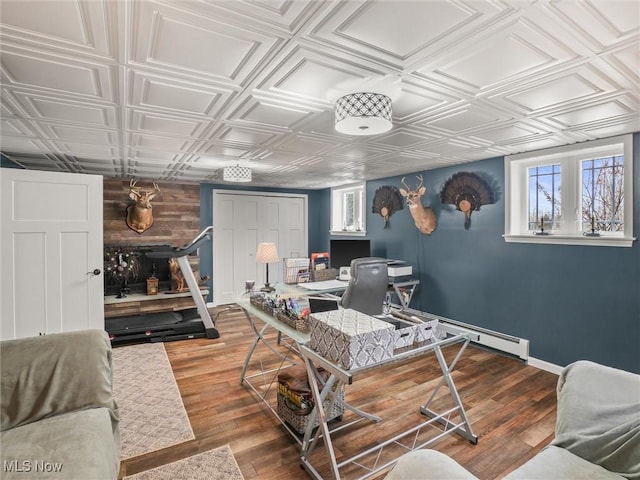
(324, 285)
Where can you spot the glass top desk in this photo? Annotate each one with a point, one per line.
(325, 393)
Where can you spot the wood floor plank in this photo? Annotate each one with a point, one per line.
(512, 408)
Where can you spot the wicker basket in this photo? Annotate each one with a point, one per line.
(301, 324)
(325, 274)
(290, 413)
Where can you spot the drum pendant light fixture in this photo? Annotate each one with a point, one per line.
(363, 113)
(236, 174)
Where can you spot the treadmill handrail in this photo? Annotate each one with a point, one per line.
(202, 237)
(169, 252)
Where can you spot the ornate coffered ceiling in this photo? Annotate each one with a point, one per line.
(176, 90)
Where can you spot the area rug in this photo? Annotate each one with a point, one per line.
(152, 415)
(218, 464)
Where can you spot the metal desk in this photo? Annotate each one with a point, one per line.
(452, 420)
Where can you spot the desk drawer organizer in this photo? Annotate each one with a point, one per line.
(351, 339)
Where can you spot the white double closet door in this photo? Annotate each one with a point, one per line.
(242, 220)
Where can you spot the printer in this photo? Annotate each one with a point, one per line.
(397, 269)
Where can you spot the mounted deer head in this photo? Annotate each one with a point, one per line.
(423, 217)
(140, 214)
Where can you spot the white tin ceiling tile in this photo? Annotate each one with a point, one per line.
(88, 152)
(171, 94)
(263, 113)
(175, 39)
(304, 144)
(416, 102)
(319, 76)
(399, 33)
(603, 21)
(82, 25)
(156, 123)
(467, 118)
(74, 133)
(282, 15)
(26, 145)
(16, 127)
(595, 113)
(221, 150)
(508, 133)
(26, 68)
(65, 110)
(162, 143)
(400, 139)
(557, 92)
(497, 60)
(402, 29)
(243, 136)
(151, 155)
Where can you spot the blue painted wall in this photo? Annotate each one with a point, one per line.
(571, 302)
(6, 163)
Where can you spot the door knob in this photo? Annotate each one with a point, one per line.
(95, 272)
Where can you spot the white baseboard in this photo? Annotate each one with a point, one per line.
(546, 366)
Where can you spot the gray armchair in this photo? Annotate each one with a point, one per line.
(367, 286)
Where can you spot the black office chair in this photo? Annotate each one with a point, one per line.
(367, 286)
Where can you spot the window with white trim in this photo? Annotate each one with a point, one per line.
(578, 194)
(348, 210)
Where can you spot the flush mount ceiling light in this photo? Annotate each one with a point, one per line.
(236, 174)
(363, 114)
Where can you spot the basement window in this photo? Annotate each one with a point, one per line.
(348, 215)
(573, 195)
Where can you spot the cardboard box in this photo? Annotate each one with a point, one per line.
(351, 339)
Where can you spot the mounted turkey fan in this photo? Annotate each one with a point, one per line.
(468, 192)
(386, 202)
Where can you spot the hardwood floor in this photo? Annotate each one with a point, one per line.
(511, 406)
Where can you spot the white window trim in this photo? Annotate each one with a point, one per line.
(336, 209)
(516, 194)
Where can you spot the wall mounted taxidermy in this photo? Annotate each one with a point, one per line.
(140, 214)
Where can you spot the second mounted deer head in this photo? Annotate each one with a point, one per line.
(140, 214)
(424, 217)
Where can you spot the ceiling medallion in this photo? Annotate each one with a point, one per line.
(236, 174)
(363, 114)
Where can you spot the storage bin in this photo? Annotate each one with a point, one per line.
(290, 413)
(351, 339)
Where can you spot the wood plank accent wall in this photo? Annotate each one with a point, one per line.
(176, 213)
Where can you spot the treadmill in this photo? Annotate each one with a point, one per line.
(169, 326)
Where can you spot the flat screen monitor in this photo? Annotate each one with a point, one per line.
(343, 251)
(319, 304)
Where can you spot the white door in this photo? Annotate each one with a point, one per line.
(241, 221)
(50, 253)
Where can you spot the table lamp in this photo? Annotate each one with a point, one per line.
(267, 253)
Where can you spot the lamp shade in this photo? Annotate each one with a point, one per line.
(236, 174)
(267, 253)
(363, 114)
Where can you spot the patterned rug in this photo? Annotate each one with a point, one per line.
(218, 464)
(152, 415)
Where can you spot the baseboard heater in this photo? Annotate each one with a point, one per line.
(518, 347)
